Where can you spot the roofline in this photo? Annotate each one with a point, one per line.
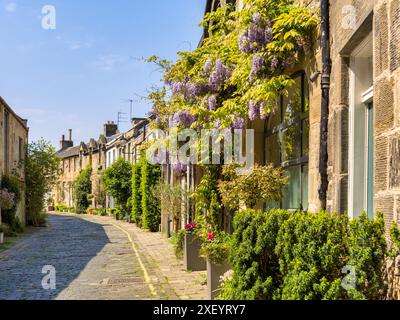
(19, 119)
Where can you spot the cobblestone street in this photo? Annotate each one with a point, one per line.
(95, 258)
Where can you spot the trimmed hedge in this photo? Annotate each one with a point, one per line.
(136, 193)
(304, 256)
(151, 211)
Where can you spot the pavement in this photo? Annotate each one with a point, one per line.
(85, 257)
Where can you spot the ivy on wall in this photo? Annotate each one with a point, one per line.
(136, 193)
(151, 211)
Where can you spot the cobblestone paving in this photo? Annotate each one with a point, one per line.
(93, 260)
(165, 270)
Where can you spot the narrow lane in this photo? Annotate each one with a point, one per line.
(91, 261)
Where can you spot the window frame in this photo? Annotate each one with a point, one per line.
(298, 120)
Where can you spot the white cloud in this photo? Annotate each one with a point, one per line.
(107, 62)
(11, 7)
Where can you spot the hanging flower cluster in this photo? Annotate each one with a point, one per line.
(7, 199)
(241, 68)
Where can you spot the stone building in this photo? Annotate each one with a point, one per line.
(13, 139)
(126, 145)
(76, 158)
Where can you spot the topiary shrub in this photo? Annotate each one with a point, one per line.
(304, 256)
(151, 211)
(117, 183)
(136, 193)
(83, 188)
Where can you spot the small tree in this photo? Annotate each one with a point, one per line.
(83, 189)
(170, 197)
(117, 182)
(41, 165)
(151, 213)
(264, 183)
(136, 193)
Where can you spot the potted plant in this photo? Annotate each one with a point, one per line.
(191, 254)
(216, 250)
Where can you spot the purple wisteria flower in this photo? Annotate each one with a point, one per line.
(263, 114)
(256, 66)
(208, 67)
(239, 123)
(179, 168)
(258, 34)
(219, 75)
(177, 87)
(254, 110)
(212, 102)
(274, 63)
(257, 17)
(183, 118)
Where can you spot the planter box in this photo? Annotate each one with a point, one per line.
(214, 274)
(1, 237)
(191, 254)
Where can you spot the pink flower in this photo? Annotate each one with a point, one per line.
(190, 227)
(210, 236)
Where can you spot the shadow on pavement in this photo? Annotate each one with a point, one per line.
(68, 245)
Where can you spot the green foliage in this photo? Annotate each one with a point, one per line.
(136, 193)
(101, 212)
(83, 189)
(264, 183)
(283, 255)
(8, 216)
(41, 168)
(117, 182)
(207, 199)
(171, 197)
(151, 211)
(216, 249)
(293, 25)
(178, 240)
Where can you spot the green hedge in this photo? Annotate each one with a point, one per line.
(151, 211)
(9, 216)
(83, 189)
(280, 255)
(136, 193)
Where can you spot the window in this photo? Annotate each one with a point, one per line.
(361, 130)
(76, 165)
(69, 165)
(286, 143)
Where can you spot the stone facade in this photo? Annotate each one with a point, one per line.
(76, 158)
(13, 138)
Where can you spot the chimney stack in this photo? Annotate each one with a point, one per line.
(65, 144)
(110, 129)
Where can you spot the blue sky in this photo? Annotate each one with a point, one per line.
(78, 75)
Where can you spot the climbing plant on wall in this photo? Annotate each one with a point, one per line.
(240, 69)
(136, 193)
(151, 212)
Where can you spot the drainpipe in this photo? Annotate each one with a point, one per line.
(325, 86)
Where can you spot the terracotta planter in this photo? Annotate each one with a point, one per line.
(1, 237)
(191, 254)
(214, 274)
